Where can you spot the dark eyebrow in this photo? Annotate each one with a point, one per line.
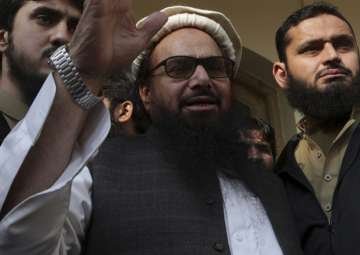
(310, 43)
(343, 38)
(319, 42)
(52, 12)
(44, 9)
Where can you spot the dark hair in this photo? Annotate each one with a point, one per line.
(121, 88)
(140, 116)
(9, 8)
(282, 40)
(118, 89)
(249, 123)
(269, 134)
(143, 72)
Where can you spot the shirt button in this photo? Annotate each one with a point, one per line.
(210, 201)
(327, 208)
(219, 247)
(239, 237)
(328, 177)
(301, 165)
(319, 155)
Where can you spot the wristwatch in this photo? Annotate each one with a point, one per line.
(60, 61)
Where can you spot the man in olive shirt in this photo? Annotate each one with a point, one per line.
(319, 72)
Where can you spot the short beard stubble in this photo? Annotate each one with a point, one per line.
(24, 71)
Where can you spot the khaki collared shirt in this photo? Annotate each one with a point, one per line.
(11, 108)
(320, 156)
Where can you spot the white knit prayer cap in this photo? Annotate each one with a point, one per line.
(216, 24)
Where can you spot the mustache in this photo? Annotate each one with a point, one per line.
(338, 66)
(49, 51)
(207, 94)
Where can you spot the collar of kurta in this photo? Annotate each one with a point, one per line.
(315, 136)
(307, 125)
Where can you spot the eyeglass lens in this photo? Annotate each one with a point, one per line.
(185, 66)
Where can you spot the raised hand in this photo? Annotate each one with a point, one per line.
(106, 39)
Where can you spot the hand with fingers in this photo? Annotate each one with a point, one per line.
(107, 40)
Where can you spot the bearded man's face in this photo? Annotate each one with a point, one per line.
(333, 102)
(321, 73)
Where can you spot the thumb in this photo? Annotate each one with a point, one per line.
(152, 24)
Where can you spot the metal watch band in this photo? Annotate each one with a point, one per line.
(61, 61)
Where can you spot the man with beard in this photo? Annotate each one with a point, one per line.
(319, 72)
(259, 139)
(182, 188)
(29, 32)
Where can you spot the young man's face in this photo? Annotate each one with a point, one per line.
(39, 27)
(321, 50)
(258, 148)
(321, 73)
(198, 100)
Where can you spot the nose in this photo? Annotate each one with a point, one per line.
(253, 152)
(200, 78)
(60, 34)
(330, 54)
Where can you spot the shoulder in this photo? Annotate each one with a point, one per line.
(123, 144)
(287, 153)
(122, 149)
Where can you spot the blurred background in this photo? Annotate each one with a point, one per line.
(257, 22)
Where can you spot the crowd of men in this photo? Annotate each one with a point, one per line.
(183, 171)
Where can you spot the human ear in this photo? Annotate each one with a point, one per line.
(123, 111)
(4, 40)
(280, 74)
(145, 95)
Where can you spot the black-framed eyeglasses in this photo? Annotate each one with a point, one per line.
(183, 67)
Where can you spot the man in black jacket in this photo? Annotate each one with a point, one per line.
(184, 188)
(160, 195)
(319, 73)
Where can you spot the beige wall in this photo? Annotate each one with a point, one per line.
(256, 20)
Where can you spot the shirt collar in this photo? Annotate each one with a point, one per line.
(307, 125)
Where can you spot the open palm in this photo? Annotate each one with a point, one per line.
(106, 39)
